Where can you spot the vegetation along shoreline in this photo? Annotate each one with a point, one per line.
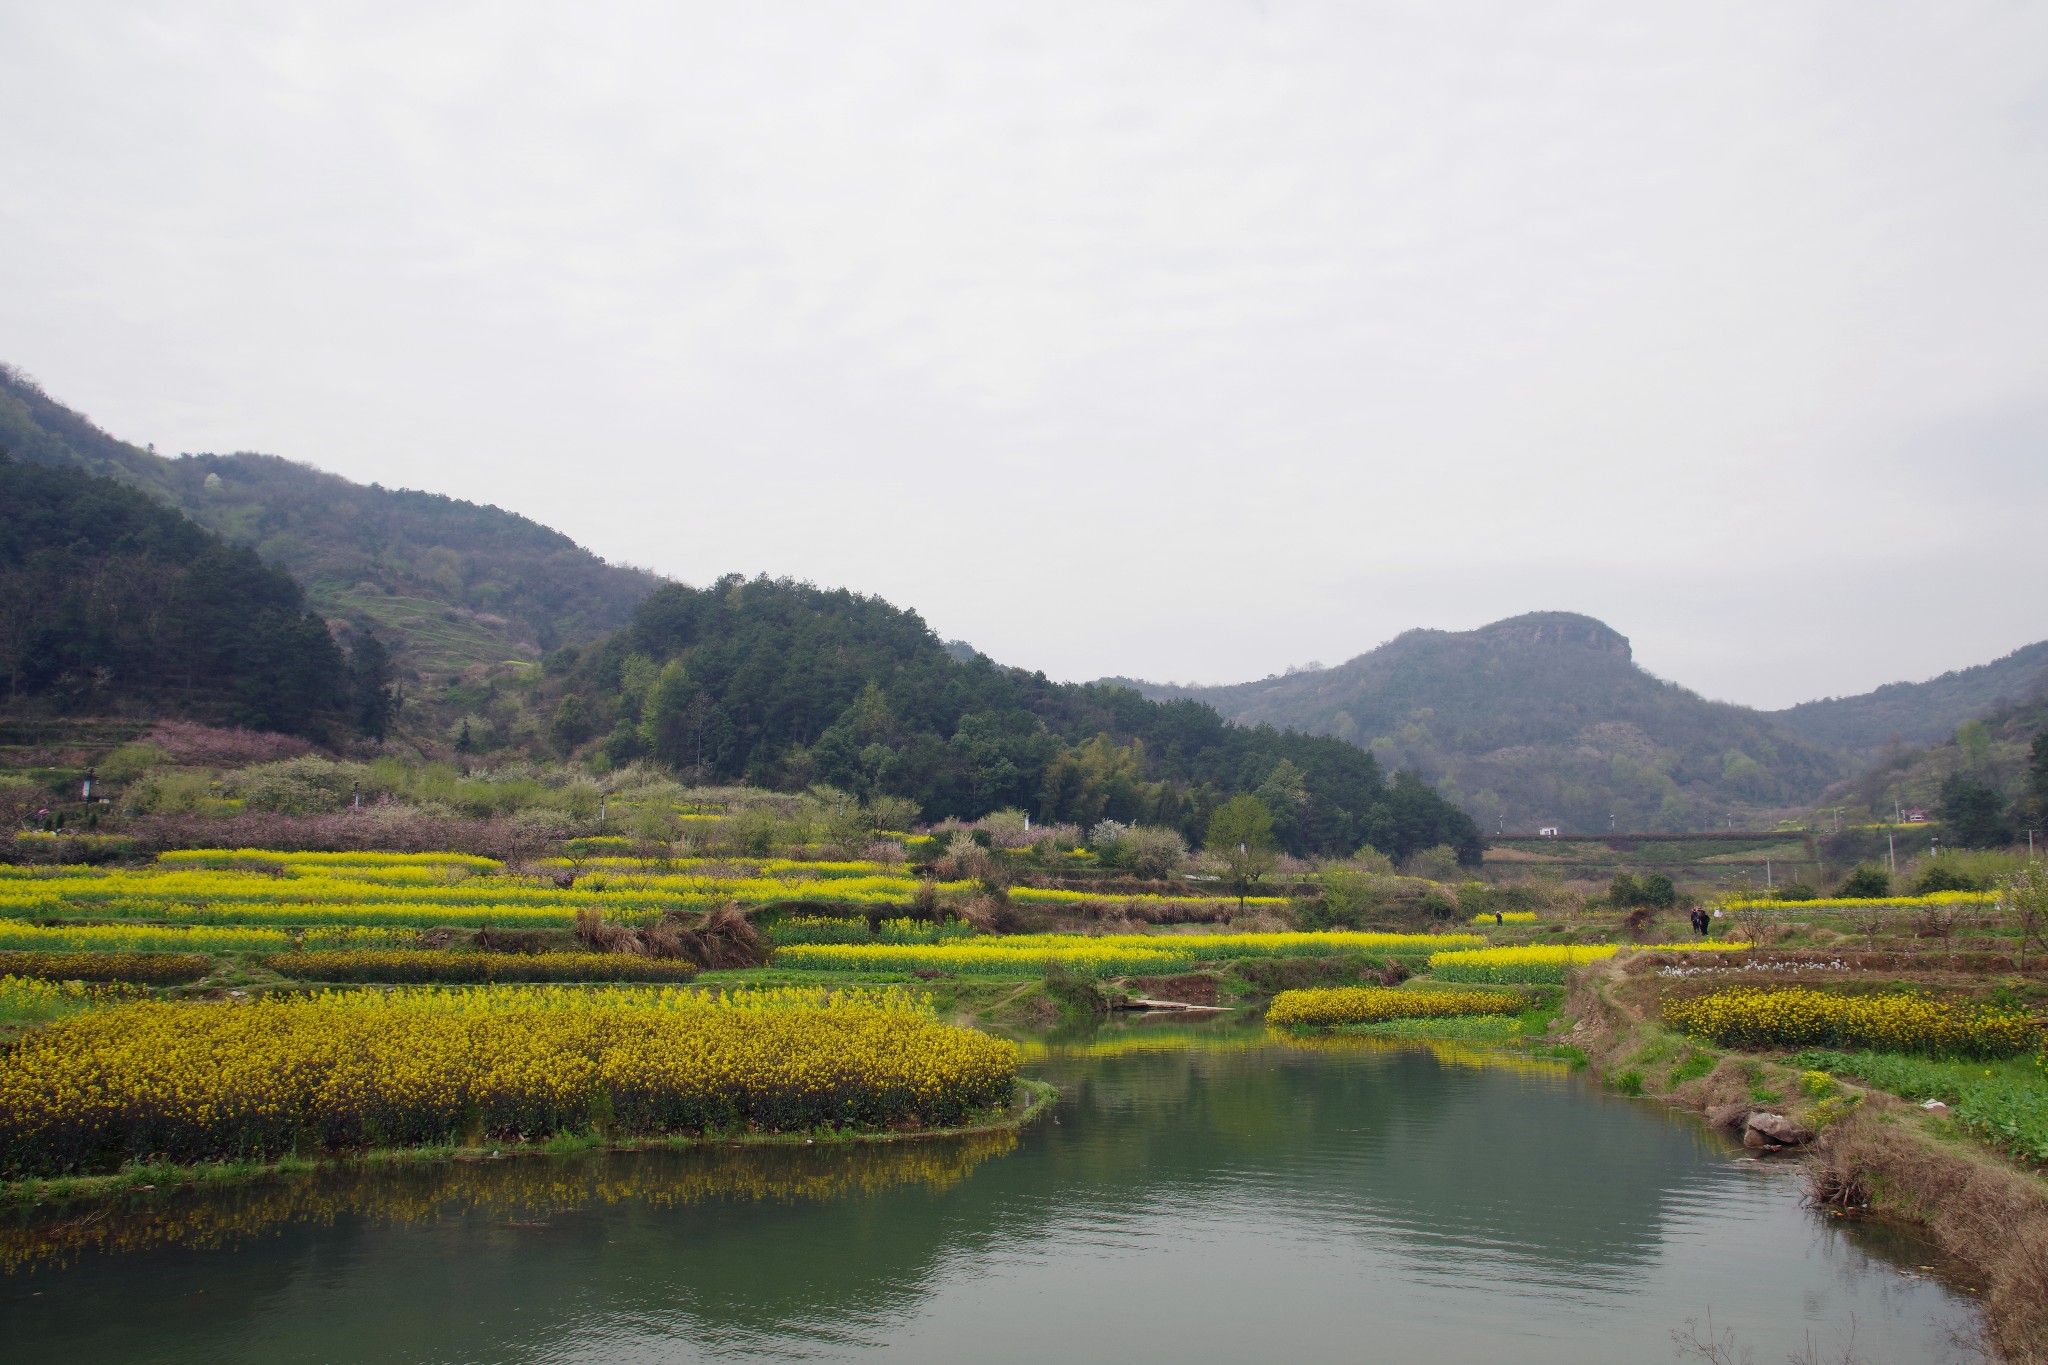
(1032, 1100)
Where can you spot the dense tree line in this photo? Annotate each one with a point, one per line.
(785, 684)
(1976, 814)
(111, 602)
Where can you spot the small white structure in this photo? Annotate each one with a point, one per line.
(1547, 832)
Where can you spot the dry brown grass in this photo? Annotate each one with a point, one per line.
(1883, 1153)
(722, 938)
(1979, 1210)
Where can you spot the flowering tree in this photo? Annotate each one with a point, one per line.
(2024, 897)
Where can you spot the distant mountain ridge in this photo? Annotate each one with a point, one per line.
(1542, 719)
(1923, 712)
(449, 583)
(1534, 720)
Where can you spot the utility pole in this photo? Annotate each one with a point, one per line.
(355, 792)
(1891, 851)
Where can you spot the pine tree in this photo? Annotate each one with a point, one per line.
(369, 666)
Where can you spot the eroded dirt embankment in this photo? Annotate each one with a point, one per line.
(1873, 1151)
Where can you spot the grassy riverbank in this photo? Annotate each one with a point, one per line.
(1874, 1153)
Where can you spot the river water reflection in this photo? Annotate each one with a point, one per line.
(1203, 1195)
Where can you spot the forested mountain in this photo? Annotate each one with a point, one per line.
(111, 603)
(1539, 720)
(1997, 763)
(449, 583)
(1923, 712)
(785, 684)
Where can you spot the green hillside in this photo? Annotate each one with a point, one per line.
(451, 583)
(1996, 754)
(1541, 720)
(1924, 712)
(784, 685)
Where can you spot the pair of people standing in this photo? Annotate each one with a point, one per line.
(1702, 922)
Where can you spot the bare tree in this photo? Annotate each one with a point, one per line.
(1845, 1354)
(1871, 920)
(1941, 921)
(1701, 1342)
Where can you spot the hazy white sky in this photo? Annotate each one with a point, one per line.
(1178, 340)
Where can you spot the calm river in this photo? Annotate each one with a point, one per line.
(1202, 1196)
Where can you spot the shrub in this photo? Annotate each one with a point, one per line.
(1106, 837)
(1943, 876)
(1865, 883)
(306, 785)
(1348, 898)
(1153, 853)
(1654, 891)
(1437, 864)
(1075, 990)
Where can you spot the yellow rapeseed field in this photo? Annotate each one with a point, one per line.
(229, 857)
(1106, 955)
(423, 964)
(1546, 962)
(422, 896)
(1749, 1017)
(345, 1070)
(1376, 1004)
(744, 867)
(1050, 895)
(1891, 902)
(201, 938)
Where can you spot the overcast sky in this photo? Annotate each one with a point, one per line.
(1186, 341)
